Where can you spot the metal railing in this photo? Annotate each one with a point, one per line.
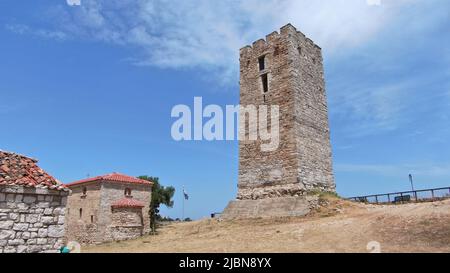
(405, 197)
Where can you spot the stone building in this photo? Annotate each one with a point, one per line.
(32, 207)
(285, 69)
(111, 207)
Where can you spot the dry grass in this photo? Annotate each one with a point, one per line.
(338, 226)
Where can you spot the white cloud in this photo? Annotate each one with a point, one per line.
(43, 33)
(208, 34)
(373, 2)
(371, 109)
(73, 2)
(431, 170)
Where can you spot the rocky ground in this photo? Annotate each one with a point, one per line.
(338, 226)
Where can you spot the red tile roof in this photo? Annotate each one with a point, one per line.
(20, 170)
(127, 202)
(113, 177)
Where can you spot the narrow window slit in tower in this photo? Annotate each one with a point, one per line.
(262, 63)
(265, 83)
(299, 50)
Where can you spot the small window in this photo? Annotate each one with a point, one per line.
(92, 218)
(299, 50)
(265, 83)
(84, 190)
(262, 63)
(127, 192)
(81, 213)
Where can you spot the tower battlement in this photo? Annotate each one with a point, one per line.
(286, 30)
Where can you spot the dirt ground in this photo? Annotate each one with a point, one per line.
(339, 226)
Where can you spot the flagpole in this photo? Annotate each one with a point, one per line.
(182, 215)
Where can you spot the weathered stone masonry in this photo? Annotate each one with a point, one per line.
(31, 220)
(32, 207)
(107, 208)
(293, 66)
(127, 221)
(286, 70)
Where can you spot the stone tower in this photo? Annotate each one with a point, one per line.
(285, 69)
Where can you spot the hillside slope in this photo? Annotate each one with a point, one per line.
(339, 226)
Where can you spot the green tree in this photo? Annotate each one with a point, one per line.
(160, 196)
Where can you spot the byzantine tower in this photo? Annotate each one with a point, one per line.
(286, 69)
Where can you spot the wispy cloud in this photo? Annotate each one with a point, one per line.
(207, 34)
(372, 108)
(425, 169)
(396, 81)
(42, 33)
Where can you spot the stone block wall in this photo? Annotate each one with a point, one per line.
(94, 225)
(270, 207)
(303, 160)
(84, 228)
(115, 191)
(127, 223)
(31, 219)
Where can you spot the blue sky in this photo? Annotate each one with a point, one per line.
(89, 89)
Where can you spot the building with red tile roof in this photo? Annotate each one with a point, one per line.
(112, 177)
(127, 202)
(110, 207)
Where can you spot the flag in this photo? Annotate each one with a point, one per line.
(186, 196)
